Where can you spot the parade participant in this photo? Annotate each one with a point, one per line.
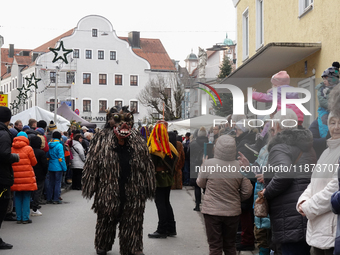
(120, 175)
(164, 156)
(6, 172)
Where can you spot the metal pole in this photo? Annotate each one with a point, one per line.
(55, 97)
(1, 43)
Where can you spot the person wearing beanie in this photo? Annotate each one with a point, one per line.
(13, 131)
(24, 177)
(52, 126)
(330, 78)
(225, 190)
(44, 144)
(56, 166)
(42, 124)
(196, 150)
(279, 80)
(25, 128)
(6, 170)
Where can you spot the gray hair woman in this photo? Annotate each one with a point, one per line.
(289, 150)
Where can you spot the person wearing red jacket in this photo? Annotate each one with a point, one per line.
(24, 177)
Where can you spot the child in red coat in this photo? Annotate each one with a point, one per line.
(24, 177)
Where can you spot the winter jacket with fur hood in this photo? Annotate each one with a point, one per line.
(224, 189)
(24, 177)
(321, 227)
(283, 189)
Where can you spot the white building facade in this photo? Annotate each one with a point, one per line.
(103, 70)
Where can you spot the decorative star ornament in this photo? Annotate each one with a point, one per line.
(32, 81)
(60, 53)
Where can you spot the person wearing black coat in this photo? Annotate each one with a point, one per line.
(6, 172)
(196, 150)
(246, 136)
(40, 170)
(288, 148)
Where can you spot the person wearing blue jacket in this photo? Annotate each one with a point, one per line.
(56, 166)
(262, 225)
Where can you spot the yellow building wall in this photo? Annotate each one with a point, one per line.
(282, 24)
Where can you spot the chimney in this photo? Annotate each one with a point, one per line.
(134, 39)
(11, 51)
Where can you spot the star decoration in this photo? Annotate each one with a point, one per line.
(32, 81)
(60, 53)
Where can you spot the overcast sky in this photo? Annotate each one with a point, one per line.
(181, 25)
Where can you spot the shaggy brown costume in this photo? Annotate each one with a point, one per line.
(101, 178)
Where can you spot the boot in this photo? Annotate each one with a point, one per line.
(5, 246)
(255, 148)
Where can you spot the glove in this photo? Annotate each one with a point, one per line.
(16, 157)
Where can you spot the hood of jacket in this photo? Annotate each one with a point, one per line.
(225, 148)
(201, 140)
(35, 142)
(301, 138)
(20, 141)
(32, 131)
(54, 143)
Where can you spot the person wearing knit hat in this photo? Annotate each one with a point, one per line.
(42, 124)
(13, 131)
(330, 79)
(21, 133)
(5, 114)
(24, 177)
(6, 170)
(280, 78)
(26, 127)
(56, 167)
(52, 126)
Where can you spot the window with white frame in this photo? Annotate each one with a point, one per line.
(70, 77)
(102, 79)
(119, 103)
(88, 54)
(102, 105)
(305, 6)
(94, 32)
(259, 23)
(76, 53)
(113, 55)
(134, 106)
(245, 34)
(53, 76)
(100, 54)
(87, 105)
(133, 80)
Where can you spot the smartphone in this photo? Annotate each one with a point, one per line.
(209, 150)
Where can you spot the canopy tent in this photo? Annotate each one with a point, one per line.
(38, 113)
(189, 125)
(67, 113)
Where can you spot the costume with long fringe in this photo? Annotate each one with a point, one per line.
(102, 178)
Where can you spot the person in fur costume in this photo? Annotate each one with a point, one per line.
(120, 175)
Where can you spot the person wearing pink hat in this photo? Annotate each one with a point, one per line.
(279, 80)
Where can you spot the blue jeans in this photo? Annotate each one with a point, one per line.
(54, 185)
(22, 205)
